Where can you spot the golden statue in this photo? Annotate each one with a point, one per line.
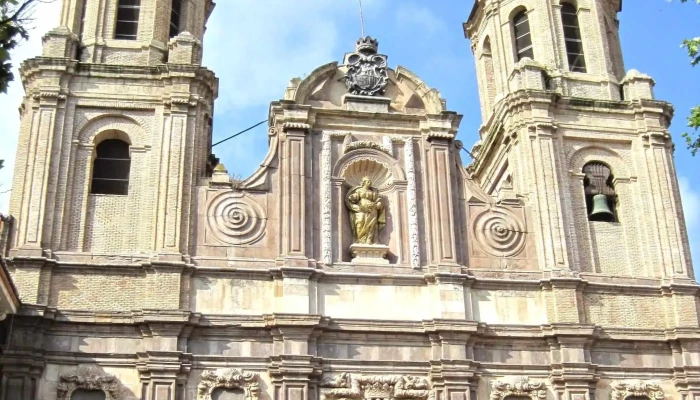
(367, 215)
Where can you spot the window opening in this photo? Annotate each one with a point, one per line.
(110, 172)
(601, 201)
(572, 38)
(127, 19)
(175, 10)
(523, 40)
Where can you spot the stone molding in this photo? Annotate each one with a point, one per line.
(518, 387)
(649, 389)
(88, 378)
(350, 386)
(228, 378)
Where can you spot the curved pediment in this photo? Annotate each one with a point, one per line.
(325, 88)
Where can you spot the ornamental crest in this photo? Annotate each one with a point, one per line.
(380, 387)
(228, 378)
(367, 74)
(88, 378)
(520, 387)
(623, 390)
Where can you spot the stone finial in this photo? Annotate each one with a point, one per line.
(637, 86)
(527, 74)
(59, 43)
(220, 175)
(184, 49)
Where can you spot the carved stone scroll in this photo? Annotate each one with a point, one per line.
(347, 386)
(88, 378)
(518, 387)
(228, 378)
(234, 218)
(623, 390)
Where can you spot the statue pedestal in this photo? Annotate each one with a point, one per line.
(369, 253)
(373, 104)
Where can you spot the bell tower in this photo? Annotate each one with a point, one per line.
(116, 120)
(587, 147)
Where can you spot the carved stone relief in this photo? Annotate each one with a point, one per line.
(228, 378)
(518, 387)
(377, 172)
(367, 74)
(499, 232)
(412, 201)
(88, 378)
(623, 390)
(234, 218)
(347, 386)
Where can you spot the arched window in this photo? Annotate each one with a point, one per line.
(127, 19)
(489, 75)
(572, 38)
(110, 172)
(523, 40)
(175, 10)
(601, 201)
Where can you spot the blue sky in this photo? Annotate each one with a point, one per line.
(257, 46)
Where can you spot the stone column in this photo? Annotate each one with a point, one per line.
(20, 376)
(292, 368)
(295, 167)
(663, 207)
(540, 156)
(439, 189)
(164, 364)
(173, 195)
(573, 375)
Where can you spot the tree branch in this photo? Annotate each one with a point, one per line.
(15, 16)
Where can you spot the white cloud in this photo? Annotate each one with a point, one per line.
(45, 17)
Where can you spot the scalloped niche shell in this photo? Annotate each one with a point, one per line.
(377, 172)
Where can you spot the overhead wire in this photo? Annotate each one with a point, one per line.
(239, 133)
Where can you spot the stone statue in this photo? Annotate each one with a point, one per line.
(367, 216)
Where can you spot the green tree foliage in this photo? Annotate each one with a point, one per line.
(14, 16)
(692, 139)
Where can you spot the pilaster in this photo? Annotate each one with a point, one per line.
(164, 364)
(295, 180)
(440, 194)
(20, 376)
(573, 376)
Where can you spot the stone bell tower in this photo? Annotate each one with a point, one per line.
(126, 73)
(587, 147)
(115, 133)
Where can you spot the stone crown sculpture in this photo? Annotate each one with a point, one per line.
(367, 73)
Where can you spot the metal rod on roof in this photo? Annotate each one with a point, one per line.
(362, 19)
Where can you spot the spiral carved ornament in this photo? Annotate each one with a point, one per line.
(499, 232)
(236, 219)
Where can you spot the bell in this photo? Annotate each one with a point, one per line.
(601, 211)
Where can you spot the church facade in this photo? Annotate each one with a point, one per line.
(372, 255)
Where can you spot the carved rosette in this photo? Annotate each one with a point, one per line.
(623, 390)
(347, 386)
(228, 378)
(234, 218)
(88, 378)
(522, 387)
(499, 232)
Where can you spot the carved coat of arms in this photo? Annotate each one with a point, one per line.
(367, 74)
